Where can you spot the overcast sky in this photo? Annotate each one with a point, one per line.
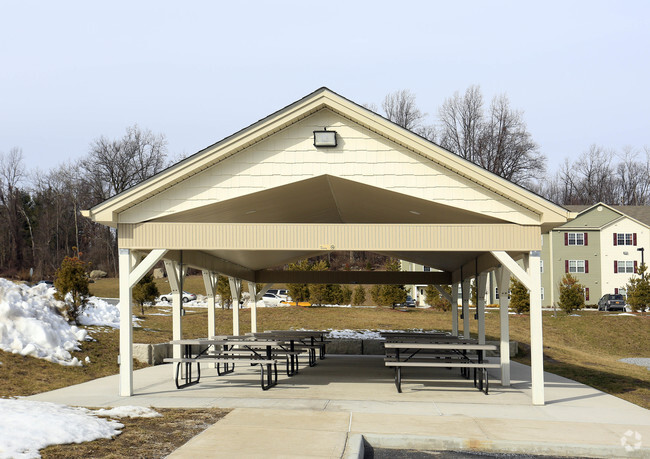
(199, 71)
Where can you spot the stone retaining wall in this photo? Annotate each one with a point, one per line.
(153, 354)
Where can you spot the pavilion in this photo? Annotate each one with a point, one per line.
(326, 174)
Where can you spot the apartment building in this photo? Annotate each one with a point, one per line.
(602, 247)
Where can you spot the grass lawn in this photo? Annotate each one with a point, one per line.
(584, 348)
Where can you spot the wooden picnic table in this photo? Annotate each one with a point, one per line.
(442, 353)
(233, 350)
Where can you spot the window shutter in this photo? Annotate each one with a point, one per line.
(635, 268)
(615, 266)
(586, 266)
(566, 266)
(586, 239)
(587, 294)
(566, 238)
(615, 291)
(615, 239)
(634, 239)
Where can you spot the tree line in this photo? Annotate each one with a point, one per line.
(41, 223)
(40, 212)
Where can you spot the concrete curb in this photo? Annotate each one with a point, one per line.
(418, 442)
(354, 447)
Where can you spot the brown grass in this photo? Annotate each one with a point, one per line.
(144, 437)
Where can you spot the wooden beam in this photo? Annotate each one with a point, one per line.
(353, 277)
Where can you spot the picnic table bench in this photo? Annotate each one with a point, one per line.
(442, 353)
(233, 350)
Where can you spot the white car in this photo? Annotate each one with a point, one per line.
(271, 299)
(186, 297)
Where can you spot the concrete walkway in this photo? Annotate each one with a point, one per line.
(327, 411)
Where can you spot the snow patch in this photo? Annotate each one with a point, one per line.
(28, 426)
(128, 412)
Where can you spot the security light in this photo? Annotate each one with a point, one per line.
(324, 138)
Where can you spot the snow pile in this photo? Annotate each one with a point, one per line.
(641, 361)
(31, 325)
(99, 312)
(128, 412)
(354, 334)
(28, 426)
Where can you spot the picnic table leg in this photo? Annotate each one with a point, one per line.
(271, 376)
(480, 380)
(398, 379)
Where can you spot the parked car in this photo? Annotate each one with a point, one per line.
(271, 299)
(408, 303)
(49, 283)
(610, 302)
(187, 297)
(281, 292)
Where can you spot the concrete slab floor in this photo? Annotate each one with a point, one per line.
(316, 412)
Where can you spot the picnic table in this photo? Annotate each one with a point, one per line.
(311, 340)
(438, 351)
(226, 352)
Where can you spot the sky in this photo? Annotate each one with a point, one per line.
(199, 71)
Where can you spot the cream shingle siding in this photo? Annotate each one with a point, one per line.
(315, 237)
(362, 155)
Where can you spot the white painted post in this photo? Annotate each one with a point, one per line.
(126, 261)
(503, 282)
(536, 332)
(174, 276)
(454, 308)
(210, 281)
(253, 306)
(480, 306)
(235, 290)
(466, 291)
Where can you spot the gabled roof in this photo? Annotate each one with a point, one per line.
(107, 211)
(639, 214)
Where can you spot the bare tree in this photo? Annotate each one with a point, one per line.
(113, 166)
(401, 109)
(634, 177)
(498, 141)
(461, 121)
(12, 173)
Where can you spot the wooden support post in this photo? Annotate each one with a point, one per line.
(466, 295)
(503, 282)
(126, 262)
(454, 308)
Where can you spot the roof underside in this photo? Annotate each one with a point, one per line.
(328, 199)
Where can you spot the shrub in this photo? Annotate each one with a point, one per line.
(571, 294)
(346, 295)
(638, 291)
(71, 279)
(145, 291)
(375, 294)
(223, 290)
(359, 295)
(435, 299)
(299, 292)
(519, 296)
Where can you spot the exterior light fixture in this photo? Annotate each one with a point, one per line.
(324, 138)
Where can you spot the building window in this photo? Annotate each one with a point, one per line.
(427, 269)
(625, 266)
(541, 266)
(624, 238)
(542, 293)
(585, 292)
(575, 238)
(496, 293)
(576, 266)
